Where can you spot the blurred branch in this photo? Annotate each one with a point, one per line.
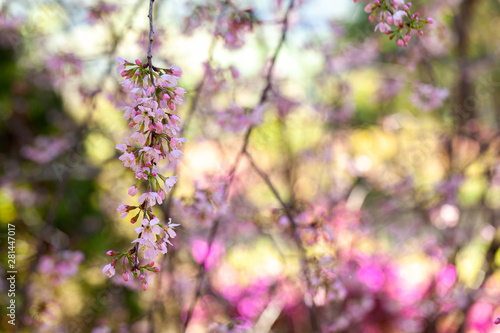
(215, 226)
(296, 237)
(263, 96)
(465, 107)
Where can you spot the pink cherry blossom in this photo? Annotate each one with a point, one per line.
(151, 197)
(109, 270)
(132, 190)
(128, 160)
(151, 250)
(149, 229)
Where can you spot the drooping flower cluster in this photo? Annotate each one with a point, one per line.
(396, 20)
(153, 94)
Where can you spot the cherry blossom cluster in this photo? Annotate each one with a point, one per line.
(100, 11)
(232, 23)
(207, 203)
(54, 270)
(154, 95)
(60, 266)
(233, 27)
(45, 149)
(236, 119)
(427, 97)
(396, 19)
(62, 66)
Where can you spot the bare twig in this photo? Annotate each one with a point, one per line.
(263, 96)
(150, 50)
(232, 171)
(293, 226)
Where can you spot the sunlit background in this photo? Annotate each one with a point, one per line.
(386, 157)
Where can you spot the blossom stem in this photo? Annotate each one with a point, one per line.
(150, 50)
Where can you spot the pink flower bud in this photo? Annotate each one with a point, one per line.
(171, 106)
(133, 220)
(124, 74)
(405, 8)
(159, 126)
(409, 4)
(125, 276)
(138, 62)
(430, 20)
(151, 264)
(368, 8)
(137, 73)
(131, 124)
(390, 19)
(400, 42)
(420, 32)
(132, 191)
(407, 38)
(148, 164)
(157, 269)
(111, 253)
(153, 174)
(151, 128)
(144, 285)
(176, 71)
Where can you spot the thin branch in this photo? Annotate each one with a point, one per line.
(293, 226)
(232, 171)
(150, 50)
(201, 273)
